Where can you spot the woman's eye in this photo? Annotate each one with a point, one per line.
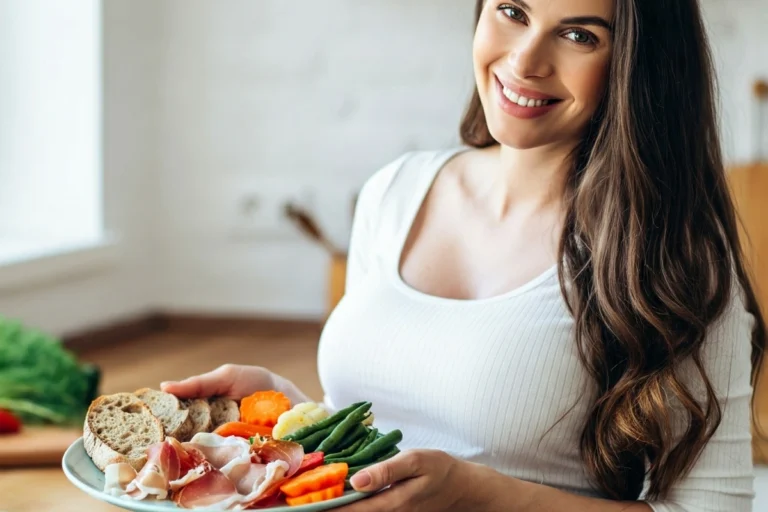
(512, 12)
(581, 37)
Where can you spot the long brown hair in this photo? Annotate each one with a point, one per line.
(650, 248)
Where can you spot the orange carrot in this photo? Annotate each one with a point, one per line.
(263, 408)
(316, 480)
(314, 497)
(241, 429)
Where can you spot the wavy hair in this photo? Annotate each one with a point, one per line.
(650, 251)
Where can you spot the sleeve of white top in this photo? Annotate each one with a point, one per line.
(367, 211)
(722, 480)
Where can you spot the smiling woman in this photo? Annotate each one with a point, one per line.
(556, 315)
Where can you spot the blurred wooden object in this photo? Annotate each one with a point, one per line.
(337, 276)
(749, 185)
(36, 446)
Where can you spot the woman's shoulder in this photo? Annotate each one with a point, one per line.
(402, 179)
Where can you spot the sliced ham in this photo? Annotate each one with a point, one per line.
(161, 468)
(117, 477)
(217, 492)
(271, 450)
(211, 471)
(223, 453)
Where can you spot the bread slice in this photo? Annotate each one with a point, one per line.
(200, 412)
(120, 428)
(169, 410)
(223, 410)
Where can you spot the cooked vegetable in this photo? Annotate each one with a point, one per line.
(41, 381)
(323, 424)
(311, 442)
(9, 424)
(353, 441)
(242, 429)
(391, 453)
(302, 415)
(315, 480)
(264, 408)
(355, 447)
(342, 429)
(371, 452)
(310, 461)
(317, 496)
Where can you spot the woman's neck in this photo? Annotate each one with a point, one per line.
(528, 179)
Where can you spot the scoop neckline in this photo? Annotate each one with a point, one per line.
(439, 163)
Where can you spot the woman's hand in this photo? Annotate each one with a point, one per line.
(423, 480)
(230, 380)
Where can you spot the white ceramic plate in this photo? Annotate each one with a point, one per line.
(82, 472)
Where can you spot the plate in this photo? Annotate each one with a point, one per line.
(82, 472)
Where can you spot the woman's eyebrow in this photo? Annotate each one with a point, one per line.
(573, 20)
(588, 20)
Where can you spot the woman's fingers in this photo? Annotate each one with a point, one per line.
(214, 383)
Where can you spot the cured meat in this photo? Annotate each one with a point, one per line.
(211, 471)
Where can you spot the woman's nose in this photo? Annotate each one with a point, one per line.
(530, 58)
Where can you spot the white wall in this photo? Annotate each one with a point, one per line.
(208, 103)
(277, 99)
(130, 96)
(737, 32)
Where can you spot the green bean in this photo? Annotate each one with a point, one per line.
(322, 424)
(340, 431)
(374, 450)
(391, 453)
(311, 442)
(351, 444)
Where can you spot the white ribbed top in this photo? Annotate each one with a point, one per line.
(487, 380)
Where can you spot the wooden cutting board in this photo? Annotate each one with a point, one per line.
(749, 184)
(36, 446)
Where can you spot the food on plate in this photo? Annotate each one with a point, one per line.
(241, 429)
(264, 408)
(223, 410)
(200, 412)
(169, 410)
(120, 428)
(9, 424)
(318, 496)
(242, 463)
(301, 415)
(40, 381)
(315, 480)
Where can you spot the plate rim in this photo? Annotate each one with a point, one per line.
(147, 506)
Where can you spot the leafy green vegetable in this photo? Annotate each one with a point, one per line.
(41, 381)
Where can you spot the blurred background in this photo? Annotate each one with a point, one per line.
(149, 149)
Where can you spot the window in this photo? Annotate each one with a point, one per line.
(50, 128)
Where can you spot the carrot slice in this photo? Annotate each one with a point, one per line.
(317, 496)
(241, 429)
(316, 479)
(263, 408)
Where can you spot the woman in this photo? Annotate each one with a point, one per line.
(557, 317)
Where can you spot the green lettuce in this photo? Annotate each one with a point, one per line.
(40, 381)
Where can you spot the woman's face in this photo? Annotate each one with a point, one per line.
(551, 56)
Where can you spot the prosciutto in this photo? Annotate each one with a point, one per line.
(211, 471)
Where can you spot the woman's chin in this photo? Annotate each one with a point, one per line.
(520, 139)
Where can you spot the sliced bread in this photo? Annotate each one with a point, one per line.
(169, 410)
(200, 412)
(120, 428)
(223, 410)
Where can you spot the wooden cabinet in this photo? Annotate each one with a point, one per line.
(750, 190)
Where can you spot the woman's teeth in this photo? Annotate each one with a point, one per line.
(523, 101)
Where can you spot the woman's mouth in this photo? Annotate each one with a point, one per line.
(523, 101)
